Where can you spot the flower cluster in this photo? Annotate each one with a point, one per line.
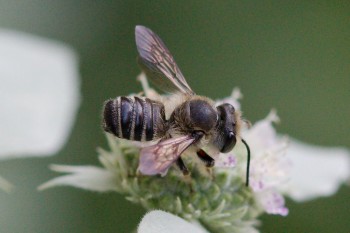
(218, 200)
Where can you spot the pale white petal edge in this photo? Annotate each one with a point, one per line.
(158, 221)
(316, 171)
(85, 177)
(39, 94)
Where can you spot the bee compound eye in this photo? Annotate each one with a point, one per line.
(229, 142)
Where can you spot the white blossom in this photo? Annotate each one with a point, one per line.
(158, 221)
(39, 95)
(85, 177)
(269, 166)
(222, 203)
(315, 171)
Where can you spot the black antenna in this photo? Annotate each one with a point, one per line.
(248, 162)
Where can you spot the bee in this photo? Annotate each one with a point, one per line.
(193, 123)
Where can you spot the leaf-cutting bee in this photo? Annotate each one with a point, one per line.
(193, 123)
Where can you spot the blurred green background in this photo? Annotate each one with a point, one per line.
(293, 56)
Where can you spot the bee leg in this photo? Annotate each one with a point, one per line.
(208, 161)
(185, 172)
(182, 166)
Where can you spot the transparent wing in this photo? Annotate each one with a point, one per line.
(157, 62)
(158, 158)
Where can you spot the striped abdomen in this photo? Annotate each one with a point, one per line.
(134, 118)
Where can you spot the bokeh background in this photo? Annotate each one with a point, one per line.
(293, 56)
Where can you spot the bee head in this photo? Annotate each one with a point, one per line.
(228, 125)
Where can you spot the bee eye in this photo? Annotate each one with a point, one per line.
(229, 142)
(227, 126)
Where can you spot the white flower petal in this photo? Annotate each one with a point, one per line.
(269, 166)
(39, 94)
(158, 221)
(262, 135)
(316, 171)
(273, 202)
(85, 177)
